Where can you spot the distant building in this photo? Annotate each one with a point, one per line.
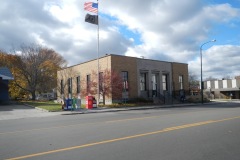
(226, 88)
(5, 76)
(145, 78)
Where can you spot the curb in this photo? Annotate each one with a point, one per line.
(99, 110)
(41, 109)
(134, 108)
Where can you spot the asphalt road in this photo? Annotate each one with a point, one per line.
(208, 132)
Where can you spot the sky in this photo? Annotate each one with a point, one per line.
(166, 30)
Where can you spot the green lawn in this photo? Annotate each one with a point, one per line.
(55, 107)
(48, 105)
(116, 105)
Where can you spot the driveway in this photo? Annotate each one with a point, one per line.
(17, 111)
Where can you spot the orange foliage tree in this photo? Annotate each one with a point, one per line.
(7, 60)
(35, 69)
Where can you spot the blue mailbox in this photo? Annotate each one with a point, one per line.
(68, 104)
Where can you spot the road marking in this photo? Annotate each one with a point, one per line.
(132, 119)
(36, 129)
(112, 121)
(72, 125)
(124, 138)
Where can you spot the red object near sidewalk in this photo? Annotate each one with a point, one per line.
(89, 102)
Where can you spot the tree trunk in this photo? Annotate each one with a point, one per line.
(33, 96)
(103, 98)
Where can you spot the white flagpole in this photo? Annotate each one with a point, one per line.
(98, 96)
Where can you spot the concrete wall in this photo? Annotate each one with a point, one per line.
(222, 84)
(153, 67)
(224, 88)
(216, 84)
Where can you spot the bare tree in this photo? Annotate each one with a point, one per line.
(227, 77)
(193, 80)
(193, 83)
(210, 78)
(37, 67)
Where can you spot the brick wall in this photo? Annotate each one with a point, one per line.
(179, 69)
(82, 70)
(119, 63)
(123, 63)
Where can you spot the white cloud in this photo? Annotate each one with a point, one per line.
(218, 61)
(168, 30)
(221, 12)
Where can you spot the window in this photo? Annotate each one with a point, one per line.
(154, 82)
(125, 80)
(88, 82)
(181, 82)
(164, 82)
(78, 84)
(69, 85)
(154, 85)
(62, 87)
(125, 75)
(143, 85)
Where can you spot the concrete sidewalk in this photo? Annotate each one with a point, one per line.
(100, 109)
(226, 100)
(21, 111)
(18, 111)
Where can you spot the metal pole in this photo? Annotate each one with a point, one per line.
(202, 85)
(71, 95)
(201, 76)
(98, 97)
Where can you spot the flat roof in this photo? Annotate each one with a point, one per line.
(107, 55)
(5, 73)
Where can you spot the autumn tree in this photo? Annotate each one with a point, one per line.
(3, 59)
(6, 60)
(35, 68)
(110, 84)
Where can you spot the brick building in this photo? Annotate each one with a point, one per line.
(145, 78)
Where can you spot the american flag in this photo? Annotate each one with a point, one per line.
(91, 7)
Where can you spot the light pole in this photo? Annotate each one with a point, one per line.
(201, 68)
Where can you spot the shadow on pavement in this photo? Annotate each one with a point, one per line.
(229, 104)
(10, 106)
